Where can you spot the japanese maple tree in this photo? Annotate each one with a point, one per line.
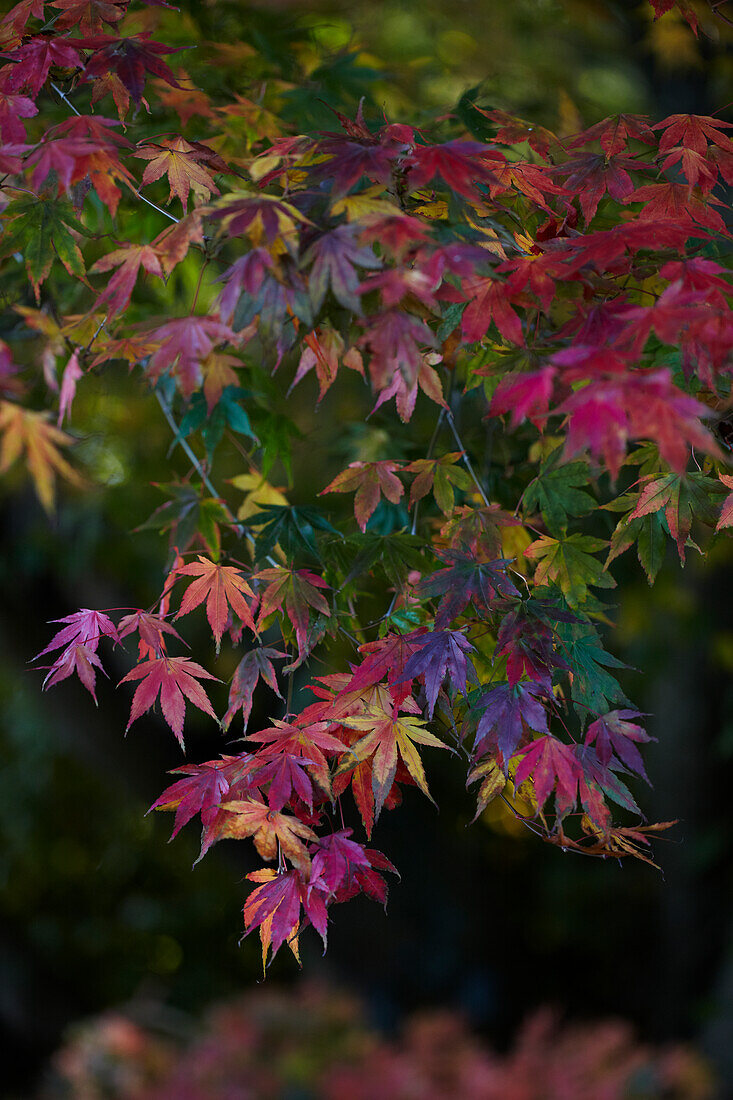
(556, 307)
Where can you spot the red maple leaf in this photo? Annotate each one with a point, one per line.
(614, 133)
(80, 640)
(457, 163)
(551, 764)
(255, 665)
(369, 480)
(489, 300)
(150, 630)
(204, 787)
(613, 732)
(591, 175)
(33, 60)
(693, 131)
(128, 260)
(89, 16)
(173, 678)
(334, 257)
(182, 344)
(130, 59)
(12, 109)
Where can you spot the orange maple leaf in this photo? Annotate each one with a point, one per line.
(25, 431)
(181, 162)
(222, 586)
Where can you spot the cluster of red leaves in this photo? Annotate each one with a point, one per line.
(382, 252)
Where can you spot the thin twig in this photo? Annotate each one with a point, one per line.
(466, 459)
(154, 206)
(67, 101)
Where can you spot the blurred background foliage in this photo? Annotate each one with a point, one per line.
(95, 909)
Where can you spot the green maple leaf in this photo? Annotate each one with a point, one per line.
(591, 684)
(681, 497)
(293, 528)
(556, 492)
(39, 230)
(569, 562)
(650, 538)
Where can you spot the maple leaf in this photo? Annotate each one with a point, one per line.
(384, 658)
(128, 260)
(648, 534)
(370, 480)
(274, 907)
(33, 60)
(489, 300)
(204, 787)
(224, 588)
(604, 778)
(591, 175)
(323, 349)
(150, 630)
(173, 678)
(348, 161)
(255, 665)
(39, 231)
(682, 498)
(550, 764)
(397, 364)
(524, 395)
(187, 100)
(614, 133)
(604, 414)
(13, 108)
(440, 475)
(692, 131)
(389, 734)
(72, 374)
(79, 640)
(305, 740)
(181, 162)
(591, 684)
(336, 863)
(80, 160)
(334, 257)
(128, 58)
(613, 732)
(557, 494)
(29, 433)
(271, 831)
(464, 581)
(493, 782)
(442, 653)
(264, 218)
(182, 345)
(726, 512)
(527, 640)
(288, 778)
(506, 712)
(294, 590)
(88, 16)
(569, 562)
(290, 527)
(457, 163)
(677, 202)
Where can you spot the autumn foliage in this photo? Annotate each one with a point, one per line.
(558, 302)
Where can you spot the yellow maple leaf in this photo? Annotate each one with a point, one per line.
(29, 433)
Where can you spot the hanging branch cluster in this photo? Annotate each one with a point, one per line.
(560, 303)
